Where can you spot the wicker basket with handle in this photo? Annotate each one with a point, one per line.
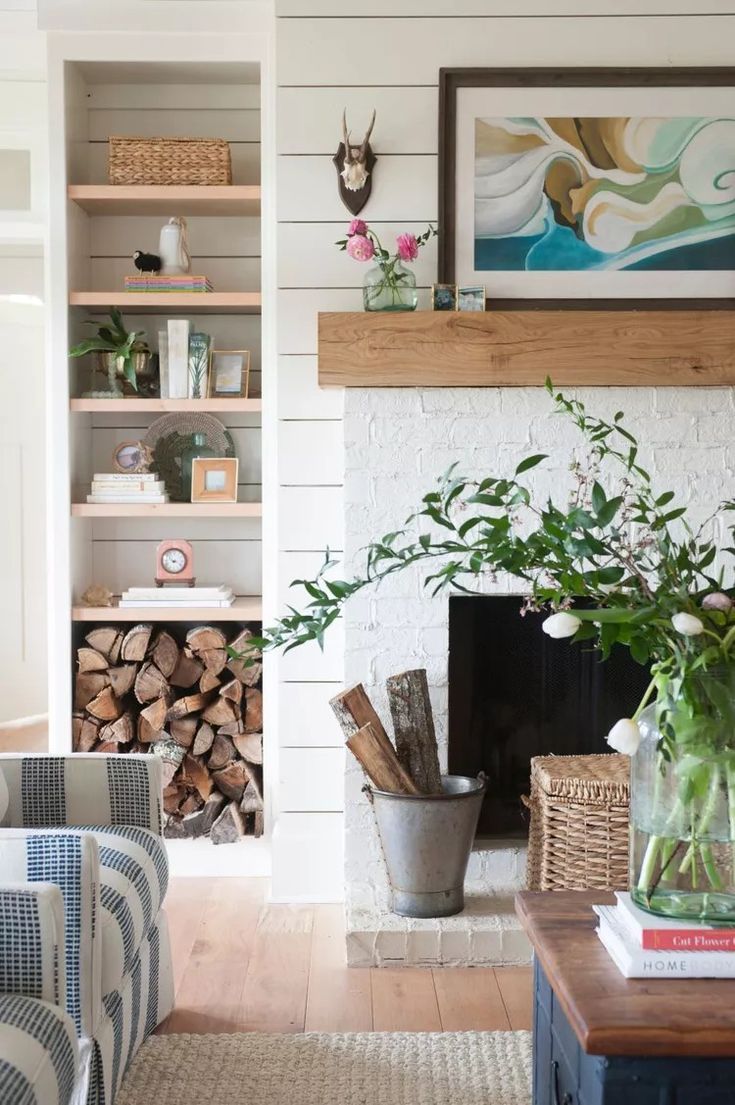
(578, 837)
(169, 161)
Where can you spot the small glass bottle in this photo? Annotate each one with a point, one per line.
(197, 448)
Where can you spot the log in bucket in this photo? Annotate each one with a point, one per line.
(426, 841)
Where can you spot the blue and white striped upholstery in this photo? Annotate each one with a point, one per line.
(32, 945)
(108, 860)
(38, 1052)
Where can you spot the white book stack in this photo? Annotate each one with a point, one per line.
(199, 597)
(645, 946)
(122, 487)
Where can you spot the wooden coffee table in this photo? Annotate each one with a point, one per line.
(601, 1039)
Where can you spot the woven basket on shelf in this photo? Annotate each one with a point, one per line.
(169, 161)
(578, 837)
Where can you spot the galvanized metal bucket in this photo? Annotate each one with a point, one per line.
(426, 841)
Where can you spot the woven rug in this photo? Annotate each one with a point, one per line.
(315, 1068)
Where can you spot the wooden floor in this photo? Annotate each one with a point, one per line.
(241, 965)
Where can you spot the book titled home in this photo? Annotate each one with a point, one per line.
(634, 961)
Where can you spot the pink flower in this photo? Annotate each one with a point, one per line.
(408, 247)
(357, 226)
(360, 248)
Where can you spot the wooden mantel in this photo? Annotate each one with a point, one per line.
(520, 348)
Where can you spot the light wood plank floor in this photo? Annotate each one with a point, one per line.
(242, 965)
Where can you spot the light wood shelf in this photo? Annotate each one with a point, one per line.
(233, 200)
(166, 510)
(195, 303)
(116, 406)
(246, 608)
(621, 347)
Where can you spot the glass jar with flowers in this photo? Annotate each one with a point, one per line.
(652, 581)
(389, 285)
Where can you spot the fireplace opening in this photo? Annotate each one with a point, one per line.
(515, 693)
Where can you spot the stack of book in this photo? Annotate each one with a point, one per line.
(642, 945)
(152, 597)
(123, 487)
(158, 282)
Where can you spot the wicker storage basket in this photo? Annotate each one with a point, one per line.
(578, 838)
(169, 161)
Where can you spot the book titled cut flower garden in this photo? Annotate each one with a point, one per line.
(616, 563)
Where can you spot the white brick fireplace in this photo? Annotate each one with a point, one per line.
(397, 441)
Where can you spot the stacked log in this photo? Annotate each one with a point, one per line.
(188, 701)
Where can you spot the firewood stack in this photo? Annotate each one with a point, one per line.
(412, 767)
(190, 703)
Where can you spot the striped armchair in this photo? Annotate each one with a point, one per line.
(91, 826)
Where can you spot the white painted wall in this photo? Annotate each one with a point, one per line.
(361, 54)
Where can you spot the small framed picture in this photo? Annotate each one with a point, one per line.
(444, 297)
(214, 480)
(471, 298)
(229, 373)
(132, 457)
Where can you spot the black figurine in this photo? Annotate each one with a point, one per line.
(147, 262)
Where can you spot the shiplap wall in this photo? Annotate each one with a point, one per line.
(361, 54)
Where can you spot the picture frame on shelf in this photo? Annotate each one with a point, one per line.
(229, 374)
(214, 479)
(132, 457)
(471, 298)
(587, 183)
(444, 297)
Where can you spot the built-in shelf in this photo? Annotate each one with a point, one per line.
(519, 348)
(196, 303)
(115, 406)
(235, 200)
(166, 510)
(246, 608)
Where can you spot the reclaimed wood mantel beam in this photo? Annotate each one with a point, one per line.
(520, 348)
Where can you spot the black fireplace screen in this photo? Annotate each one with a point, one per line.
(515, 693)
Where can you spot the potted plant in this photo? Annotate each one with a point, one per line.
(121, 354)
(389, 285)
(650, 585)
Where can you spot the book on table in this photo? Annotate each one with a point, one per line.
(199, 597)
(655, 933)
(625, 948)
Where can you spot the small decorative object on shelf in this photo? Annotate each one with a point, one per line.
(198, 365)
(168, 160)
(96, 595)
(131, 457)
(354, 165)
(229, 373)
(214, 479)
(122, 355)
(146, 262)
(444, 297)
(173, 247)
(471, 298)
(163, 283)
(196, 449)
(128, 486)
(171, 434)
(389, 286)
(175, 563)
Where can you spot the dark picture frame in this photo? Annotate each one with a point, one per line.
(451, 80)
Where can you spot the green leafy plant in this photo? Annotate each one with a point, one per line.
(113, 338)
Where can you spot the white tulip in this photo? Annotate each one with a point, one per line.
(687, 625)
(717, 601)
(561, 625)
(624, 736)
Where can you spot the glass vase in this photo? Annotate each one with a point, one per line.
(682, 815)
(390, 287)
(197, 448)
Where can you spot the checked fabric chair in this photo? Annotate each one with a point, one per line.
(84, 954)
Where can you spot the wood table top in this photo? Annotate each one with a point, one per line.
(612, 1015)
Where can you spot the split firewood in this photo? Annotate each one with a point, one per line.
(146, 733)
(150, 683)
(247, 674)
(203, 740)
(258, 823)
(232, 690)
(250, 746)
(209, 645)
(209, 681)
(189, 704)
(122, 678)
(252, 799)
(223, 750)
(135, 643)
(172, 755)
(107, 748)
(232, 779)
(229, 826)
(77, 720)
(200, 823)
(183, 729)
(105, 706)
(107, 640)
(121, 731)
(383, 770)
(353, 709)
(232, 728)
(199, 776)
(187, 672)
(413, 727)
(155, 713)
(220, 712)
(89, 734)
(253, 710)
(89, 659)
(87, 685)
(165, 653)
(173, 796)
(190, 805)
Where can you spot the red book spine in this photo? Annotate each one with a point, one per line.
(688, 940)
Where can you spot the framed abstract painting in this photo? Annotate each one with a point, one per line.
(588, 183)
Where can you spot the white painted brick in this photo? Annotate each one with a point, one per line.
(486, 947)
(455, 946)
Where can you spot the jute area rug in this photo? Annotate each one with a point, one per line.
(315, 1068)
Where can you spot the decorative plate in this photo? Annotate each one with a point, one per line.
(171, 434)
